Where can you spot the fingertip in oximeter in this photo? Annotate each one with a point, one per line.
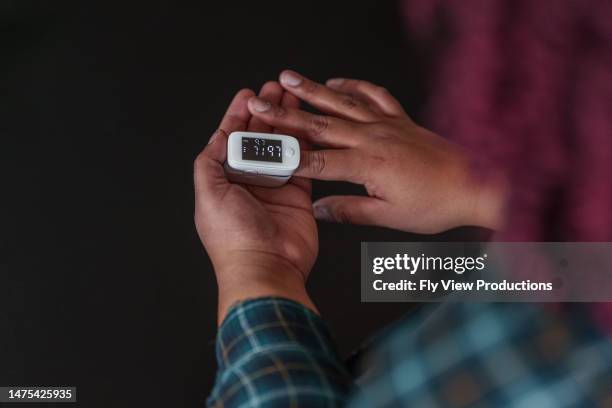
(261, 159)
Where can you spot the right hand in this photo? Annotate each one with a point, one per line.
(416, 180)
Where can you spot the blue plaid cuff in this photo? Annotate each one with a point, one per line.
(273, 351)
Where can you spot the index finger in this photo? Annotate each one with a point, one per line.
(326, 99)
(236, 118)
(237, 115)
(208, 166)
(377, 94)
(332, 164)
(318, 129)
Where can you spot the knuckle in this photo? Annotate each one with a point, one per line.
(318, 124)
(349, 102)
(316, 165)
(311, 88)
(383, 130)
(376, 160)
(371, 166)
(342, 215)
(280, 112)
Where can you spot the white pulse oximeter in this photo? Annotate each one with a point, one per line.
(261, 159)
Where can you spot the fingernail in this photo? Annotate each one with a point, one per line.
(290, 78)
(334, 82)
(259, 105)
(322, 213)
(214, 136)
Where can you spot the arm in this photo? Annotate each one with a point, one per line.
(272, 347)
(276, 352)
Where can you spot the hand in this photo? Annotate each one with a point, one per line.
(262, 241)
(416, 180)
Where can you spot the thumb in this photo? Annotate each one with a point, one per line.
(217, 146)
(350, 209)
(208, 166)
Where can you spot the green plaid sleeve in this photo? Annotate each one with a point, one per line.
(276, 352)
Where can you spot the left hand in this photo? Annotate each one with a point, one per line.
(262, 241)
(416, 180)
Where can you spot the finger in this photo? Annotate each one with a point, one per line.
(326, 99)
(237, 115)
(291, 101)
(371, 105)
(377, 94)
(339, 165)
(236, 118)
(319, 129)
(350, 209)
(291, 196)
(208, 166)
(208, 171)
(270, 91)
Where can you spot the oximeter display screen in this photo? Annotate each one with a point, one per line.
(262, 149)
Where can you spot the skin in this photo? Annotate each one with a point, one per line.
(263, 242)
(416, 180)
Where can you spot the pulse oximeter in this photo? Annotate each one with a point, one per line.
(261, 159)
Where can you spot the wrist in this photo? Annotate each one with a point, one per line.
(253, 274)
(489, 200)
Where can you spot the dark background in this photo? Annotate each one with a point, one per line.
(103, 282)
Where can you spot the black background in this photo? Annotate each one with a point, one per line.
(103, 282)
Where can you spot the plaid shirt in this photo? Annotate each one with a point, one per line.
(273, 352)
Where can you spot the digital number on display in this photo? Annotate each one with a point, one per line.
(262, 149)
